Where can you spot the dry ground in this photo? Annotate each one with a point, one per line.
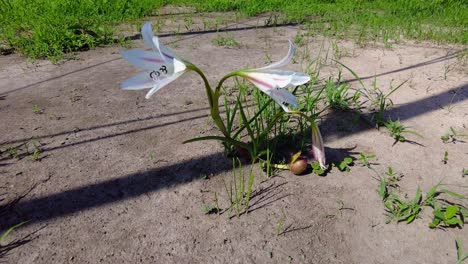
(115, 184)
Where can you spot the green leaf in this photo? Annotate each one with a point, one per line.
(382, 189)
(454, 221)
(453, 131)
(410, 219)
(348, 160)
(434, 223)
(6, 233)
(454, 194)
(451, 211)
(439, 214)
(459, 245)
(418, 196)
(245, 121)
(224, 139)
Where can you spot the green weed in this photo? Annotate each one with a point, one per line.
(452, 136)
(338, 95)
(365, 159)
(9, 230)
(445, 159)
(36, 110)
(226, 41)
(280, 225)
(316, 169)
(12, 152)
(446, 212)
(209, 209)
(397, 130)
(344, 165)
(239, 191)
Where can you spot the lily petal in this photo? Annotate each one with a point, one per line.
(138, 82)
(147, 34)
(153, 41)
(143, 59)
(297, 78)
(283, 97)
(160, 84)
(268, 81)
(283, 62)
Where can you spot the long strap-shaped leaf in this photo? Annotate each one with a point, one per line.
(224, 139)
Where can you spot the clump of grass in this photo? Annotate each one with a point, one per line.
(226, 41)
(239, 191)
(65, 26)
(338, 95)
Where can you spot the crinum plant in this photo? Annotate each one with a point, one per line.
(162, 66)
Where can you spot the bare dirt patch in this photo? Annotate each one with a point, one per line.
(115, 184)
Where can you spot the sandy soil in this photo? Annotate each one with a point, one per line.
(115, 184)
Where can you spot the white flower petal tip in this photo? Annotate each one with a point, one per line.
(161, 64)
(284, 61)
(274, 82)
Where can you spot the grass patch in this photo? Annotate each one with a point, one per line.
(52, 28)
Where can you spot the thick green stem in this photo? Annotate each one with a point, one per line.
(209, 91)
(213, 99)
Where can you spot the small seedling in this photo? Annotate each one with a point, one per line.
(464, 172)
(393, 178)
(12, 152)
(445, 160)
(280, 226)
(36, 155)
(209, 209)
(299, 39)
(36, 151)
(461, 257)
(452, 136)
(36, 110)
(397, 129)
(6, 233)
(365, 159)
(345, 164)
(317, 169)
(205, 176)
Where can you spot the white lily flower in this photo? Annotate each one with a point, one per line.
(275, 83)
(162, 65)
